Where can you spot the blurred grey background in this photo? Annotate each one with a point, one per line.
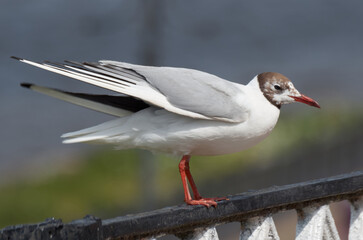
(316, 43)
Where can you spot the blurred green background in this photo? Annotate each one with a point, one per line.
(316, 43)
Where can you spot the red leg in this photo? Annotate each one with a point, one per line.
(184, 180)
(185, 174)
(190, 178)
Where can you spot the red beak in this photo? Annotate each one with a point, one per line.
(306, 100)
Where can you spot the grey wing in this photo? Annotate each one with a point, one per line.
(194, 90)
(183, 91)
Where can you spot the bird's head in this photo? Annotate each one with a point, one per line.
(279, 90)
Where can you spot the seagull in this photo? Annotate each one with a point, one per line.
(172, 110)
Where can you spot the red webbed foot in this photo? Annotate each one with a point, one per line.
(217, 199)
(208, 202)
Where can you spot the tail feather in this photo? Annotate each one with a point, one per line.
(91, 130)
(99, 133)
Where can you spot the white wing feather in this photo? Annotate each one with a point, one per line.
(185, 92)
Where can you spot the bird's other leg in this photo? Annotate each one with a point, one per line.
(190, 178)
(187, 195)
(185, 174)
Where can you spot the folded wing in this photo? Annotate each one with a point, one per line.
(182, 91)
(114, 105)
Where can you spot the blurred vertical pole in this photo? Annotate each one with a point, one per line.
(150, 44)
(150, 37)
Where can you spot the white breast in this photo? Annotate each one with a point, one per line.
(229, 138)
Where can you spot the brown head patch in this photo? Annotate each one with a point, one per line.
(272, 83)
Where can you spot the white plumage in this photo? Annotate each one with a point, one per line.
(191, 112)
(175, 110)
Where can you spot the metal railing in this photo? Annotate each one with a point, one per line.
(252, 209)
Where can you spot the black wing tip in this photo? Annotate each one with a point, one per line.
(26, 85)
(17, 58)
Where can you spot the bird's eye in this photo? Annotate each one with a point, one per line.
(277, 87)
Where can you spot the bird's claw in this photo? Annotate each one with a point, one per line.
(217, 198)
(208, 202)
(205, 202)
